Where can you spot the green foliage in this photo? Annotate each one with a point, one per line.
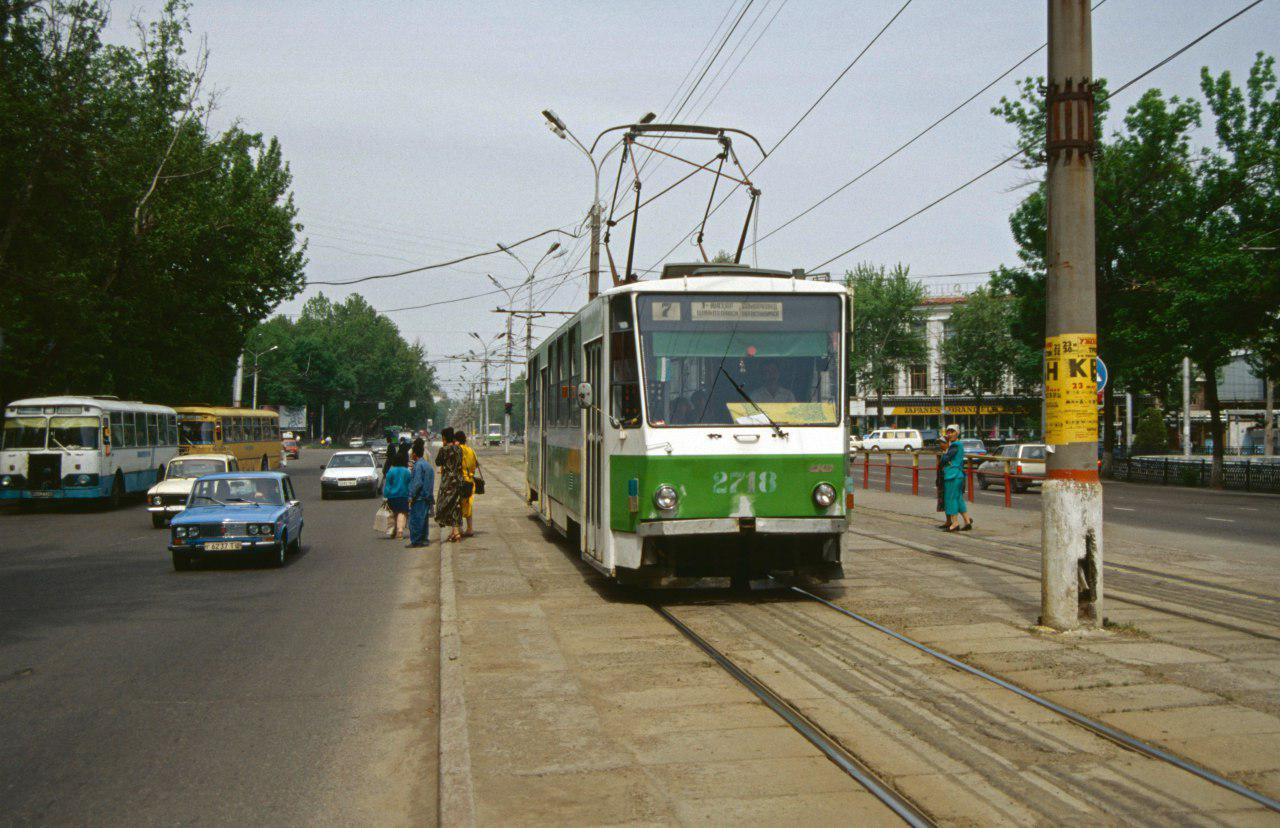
(1174, 277)
(340, 352)
(1150, 436)
(136, 247)
(888, 325)
(980, 350)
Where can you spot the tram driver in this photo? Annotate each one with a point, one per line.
(772, 391)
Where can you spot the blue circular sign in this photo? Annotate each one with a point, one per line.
(1102, 374)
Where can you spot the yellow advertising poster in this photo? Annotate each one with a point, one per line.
(744, 413)
(1071, 389)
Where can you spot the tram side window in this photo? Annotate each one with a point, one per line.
(533, 393)
(624, 379)
(557, 391)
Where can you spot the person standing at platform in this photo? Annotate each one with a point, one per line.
(449, 499)
(953, 482)
(422, 484)
(470, 464)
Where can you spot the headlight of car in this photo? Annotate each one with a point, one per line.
(266, 529)
(824, 494)
(180, 532)
(253, 528)
(155, 500)
(83, 479)
(666, 497)
(6, 481)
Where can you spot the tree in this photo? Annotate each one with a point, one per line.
(345, 358)
(1172, 279)
(136, 247)
(888, 327)
(1150, 435)
(980, 350)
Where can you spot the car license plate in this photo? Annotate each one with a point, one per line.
(346, 482)
(42, 494)
(223, 546)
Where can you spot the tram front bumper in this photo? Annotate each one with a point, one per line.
(732, 526)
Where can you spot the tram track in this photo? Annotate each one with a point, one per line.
(1168, 591)
(852, 673)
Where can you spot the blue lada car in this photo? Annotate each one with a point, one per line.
(238, 513)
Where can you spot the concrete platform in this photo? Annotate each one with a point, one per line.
(567, 700)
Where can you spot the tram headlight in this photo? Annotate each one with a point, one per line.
(824, 494)
(666, 498)
(6, 481)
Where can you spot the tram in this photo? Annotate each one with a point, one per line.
(692, 426)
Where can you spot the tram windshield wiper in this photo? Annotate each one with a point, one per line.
(743, 393)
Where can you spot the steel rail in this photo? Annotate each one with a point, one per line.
(1117, 736)
(829, 747)
(1123, 596)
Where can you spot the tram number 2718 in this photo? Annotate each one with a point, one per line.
(740, 482)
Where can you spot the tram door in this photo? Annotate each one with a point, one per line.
(594, 461)
(544, 502)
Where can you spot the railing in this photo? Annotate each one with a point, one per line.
(1245, 475)
(1008, 476)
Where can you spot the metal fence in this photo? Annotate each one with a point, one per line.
(1245, 475)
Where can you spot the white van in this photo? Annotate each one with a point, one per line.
(893, 439)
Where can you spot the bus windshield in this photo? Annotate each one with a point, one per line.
(197, 432)
(740, 359)
(73, 432)
(24, 432)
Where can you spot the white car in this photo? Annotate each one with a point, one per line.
(893, 439)
(356, 442)
(351, 472)
(169, 497)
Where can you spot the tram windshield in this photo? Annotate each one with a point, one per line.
(740, 359)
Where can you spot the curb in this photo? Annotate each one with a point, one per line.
(457, 799)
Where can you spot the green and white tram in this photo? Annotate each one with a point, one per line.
(692, 426)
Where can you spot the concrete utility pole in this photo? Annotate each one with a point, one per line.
(506, 397)
(1071, 533)
(1269, 411)
(237, 384)
(1186, 406)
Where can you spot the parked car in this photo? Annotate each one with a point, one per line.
(291, 447)
(238, 513)
(894, 439)
(356, 442)
(351, 472)
(973, 446)
(169, 497)
(1030, 459)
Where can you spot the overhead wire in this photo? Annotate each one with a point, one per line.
(769, 153)
(438, 265)
(1019, 152)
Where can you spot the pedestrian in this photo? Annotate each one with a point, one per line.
(470, 465)
(449, 498)
(938, 483)
(953, 483)
(396, 490)
(422, 484)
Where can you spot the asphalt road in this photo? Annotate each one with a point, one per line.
(1244, 516)
(132, 694)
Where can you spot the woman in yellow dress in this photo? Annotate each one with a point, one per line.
(470, 463)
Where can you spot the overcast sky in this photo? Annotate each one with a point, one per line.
(414, 135)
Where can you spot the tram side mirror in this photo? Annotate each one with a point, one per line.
(585, 396)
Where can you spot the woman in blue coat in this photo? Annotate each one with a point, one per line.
(953, 482)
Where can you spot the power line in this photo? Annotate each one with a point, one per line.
(769, 153)
(742, 59)
(460, 298)
(1019, 152)
(437, 265)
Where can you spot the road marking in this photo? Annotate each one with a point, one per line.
(1123, 509)
(1220, 520)
(1247, 508)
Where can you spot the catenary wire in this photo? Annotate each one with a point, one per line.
(769, 153)
(1019, 152)
(449, 263)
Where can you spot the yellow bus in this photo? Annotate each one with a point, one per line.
(250, 435)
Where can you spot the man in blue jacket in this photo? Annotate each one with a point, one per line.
(422, 484)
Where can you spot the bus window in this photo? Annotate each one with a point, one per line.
(73, 432)
(153, 430)
(173, 430)
(126, 429)
(117, 430)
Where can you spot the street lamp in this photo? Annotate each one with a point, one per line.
(255, 372)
